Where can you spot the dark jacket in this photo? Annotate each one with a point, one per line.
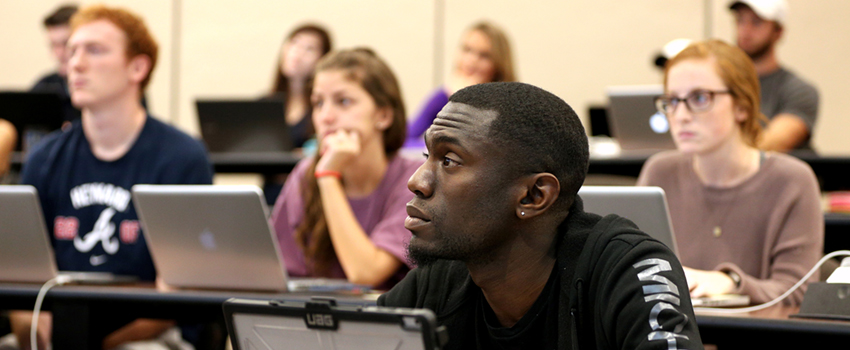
(619, 289)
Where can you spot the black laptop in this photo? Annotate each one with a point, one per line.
(322, 324)
(244, 126)
(33, 114)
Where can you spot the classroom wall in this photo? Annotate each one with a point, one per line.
(217, 43)
(573, 48)
(25, 55)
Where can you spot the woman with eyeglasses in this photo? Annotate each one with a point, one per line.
(746, 221)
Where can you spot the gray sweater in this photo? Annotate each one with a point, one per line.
(770, 226)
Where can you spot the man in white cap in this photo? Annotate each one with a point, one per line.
(790, 103)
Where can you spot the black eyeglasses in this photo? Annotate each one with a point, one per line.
(697, 101)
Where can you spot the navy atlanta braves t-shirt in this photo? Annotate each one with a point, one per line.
(87, 204)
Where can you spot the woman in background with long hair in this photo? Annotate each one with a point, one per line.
(341, 212)
(299, 54)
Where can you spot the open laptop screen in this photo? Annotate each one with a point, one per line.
(244, 126)
(34, 115)
(635, 122)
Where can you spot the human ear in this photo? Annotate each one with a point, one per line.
(139, 67)
(777, 32)
(384, 118)
(740, 114)
(539, 193)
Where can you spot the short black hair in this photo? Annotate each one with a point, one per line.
(539, 129)
(60, 17)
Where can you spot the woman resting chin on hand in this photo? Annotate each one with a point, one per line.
(341, 214)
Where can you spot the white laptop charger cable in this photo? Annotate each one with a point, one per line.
(784, 295)
(65, 278)
(55, 281)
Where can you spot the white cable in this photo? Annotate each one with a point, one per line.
(55, 281)
(781, 297)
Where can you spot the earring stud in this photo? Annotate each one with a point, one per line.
(522, 213)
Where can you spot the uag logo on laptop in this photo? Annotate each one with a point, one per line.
(320, 321)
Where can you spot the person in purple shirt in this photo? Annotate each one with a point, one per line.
(341, 213)
(484, 56)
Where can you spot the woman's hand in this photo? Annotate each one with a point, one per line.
(707, 283)
(338, 149)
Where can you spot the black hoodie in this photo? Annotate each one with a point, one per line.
(617, 289)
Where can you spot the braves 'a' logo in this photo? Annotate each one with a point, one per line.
(103, 232)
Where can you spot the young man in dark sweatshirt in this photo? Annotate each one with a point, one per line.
(507, 257)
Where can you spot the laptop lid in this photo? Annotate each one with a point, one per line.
(635, 122)
(321, 324)
(204, 236)
(646, 206)
(244, 125)
(25, 251)
(33, 114)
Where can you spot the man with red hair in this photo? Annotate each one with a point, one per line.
(84, 173)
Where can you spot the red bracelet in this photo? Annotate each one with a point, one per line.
(323, 173)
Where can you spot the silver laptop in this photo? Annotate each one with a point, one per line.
(25, 251)
(646, 206)
(215, 237)
(634, 120)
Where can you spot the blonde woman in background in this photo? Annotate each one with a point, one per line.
(484, 56)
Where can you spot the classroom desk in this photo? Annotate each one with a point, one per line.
(267, 163)
(836, 232)
(78, 310)
(771, 329)
(254, 162)
(833, 172)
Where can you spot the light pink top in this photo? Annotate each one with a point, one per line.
(771, 225)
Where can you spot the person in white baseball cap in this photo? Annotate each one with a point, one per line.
(789, 102)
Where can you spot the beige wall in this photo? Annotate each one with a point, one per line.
(231, 51)
(25, 56)
(573, 48)
(577, 48)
